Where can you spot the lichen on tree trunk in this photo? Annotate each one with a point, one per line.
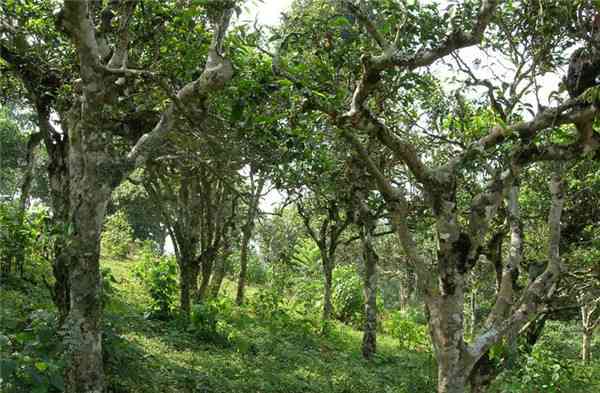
(369, 342)
(188, 272)
(327, 289)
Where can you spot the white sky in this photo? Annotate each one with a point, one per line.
(267, 12)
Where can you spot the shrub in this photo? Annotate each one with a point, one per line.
(543, 371)
(25, 238)
(117, 236)
(158, 274)
(31, 360)
(210, 320)
(405, 327)
(347, 295)
(108, 281)
(257, 271)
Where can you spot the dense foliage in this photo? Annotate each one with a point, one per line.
(369, 195)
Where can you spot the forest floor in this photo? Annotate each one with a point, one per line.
(254, 353)
(264, 355)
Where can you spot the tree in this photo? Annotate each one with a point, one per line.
(324, 221)
(97, 76)
(366, 219)
(506, 143)
(254, 195)
(198, 206)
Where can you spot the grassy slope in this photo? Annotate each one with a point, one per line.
(155, 356)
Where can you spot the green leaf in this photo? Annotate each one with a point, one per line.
(7, 366)
(341, 21)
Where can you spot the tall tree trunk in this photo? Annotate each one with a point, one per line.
(59, 192)
(207, 262)
(241, 288)
(589, 325)
(327, 287)
(57, 146)
(188, 273)
(221, 269)
(446, 309)
(83, 331)
(91, 186)
(586, 346)
(447, 329)
(369, 343)
(218, 277)
(246, 236)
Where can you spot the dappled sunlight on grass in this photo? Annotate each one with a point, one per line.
(260, 356)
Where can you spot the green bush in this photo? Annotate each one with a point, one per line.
(117, 236)
(108, 281)
(257, 271)
(210, 320)
(158, 274)
(347, 295)
(31, 358)
(544, 371)
(405, 326)
(25, 238)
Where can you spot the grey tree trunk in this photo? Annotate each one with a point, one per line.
(369, 342)
(241, 288)
(91, 186)
(58, 179)
(446, 321)
(207, 263)
(219, 275)
(327, 288)
(188, 273)
(246, 236)
(83, 331)
(586, 346)
(589, 324)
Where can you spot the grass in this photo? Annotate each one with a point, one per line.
(158, 356)
(261, 355)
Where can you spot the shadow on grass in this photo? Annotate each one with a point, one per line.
(261, 355)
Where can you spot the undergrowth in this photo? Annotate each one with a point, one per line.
(265, 346)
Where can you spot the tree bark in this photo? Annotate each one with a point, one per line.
(586, 346)
(446, 320)
(246, 236)
(91, 183)
(188, 273)
(241, 287)
(57, 147)
(369, 343)
(207, 262)
(589, 324)
(327, 287)
(220, 272)
(83, 325)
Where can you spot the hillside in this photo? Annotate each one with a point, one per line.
(250, 351)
